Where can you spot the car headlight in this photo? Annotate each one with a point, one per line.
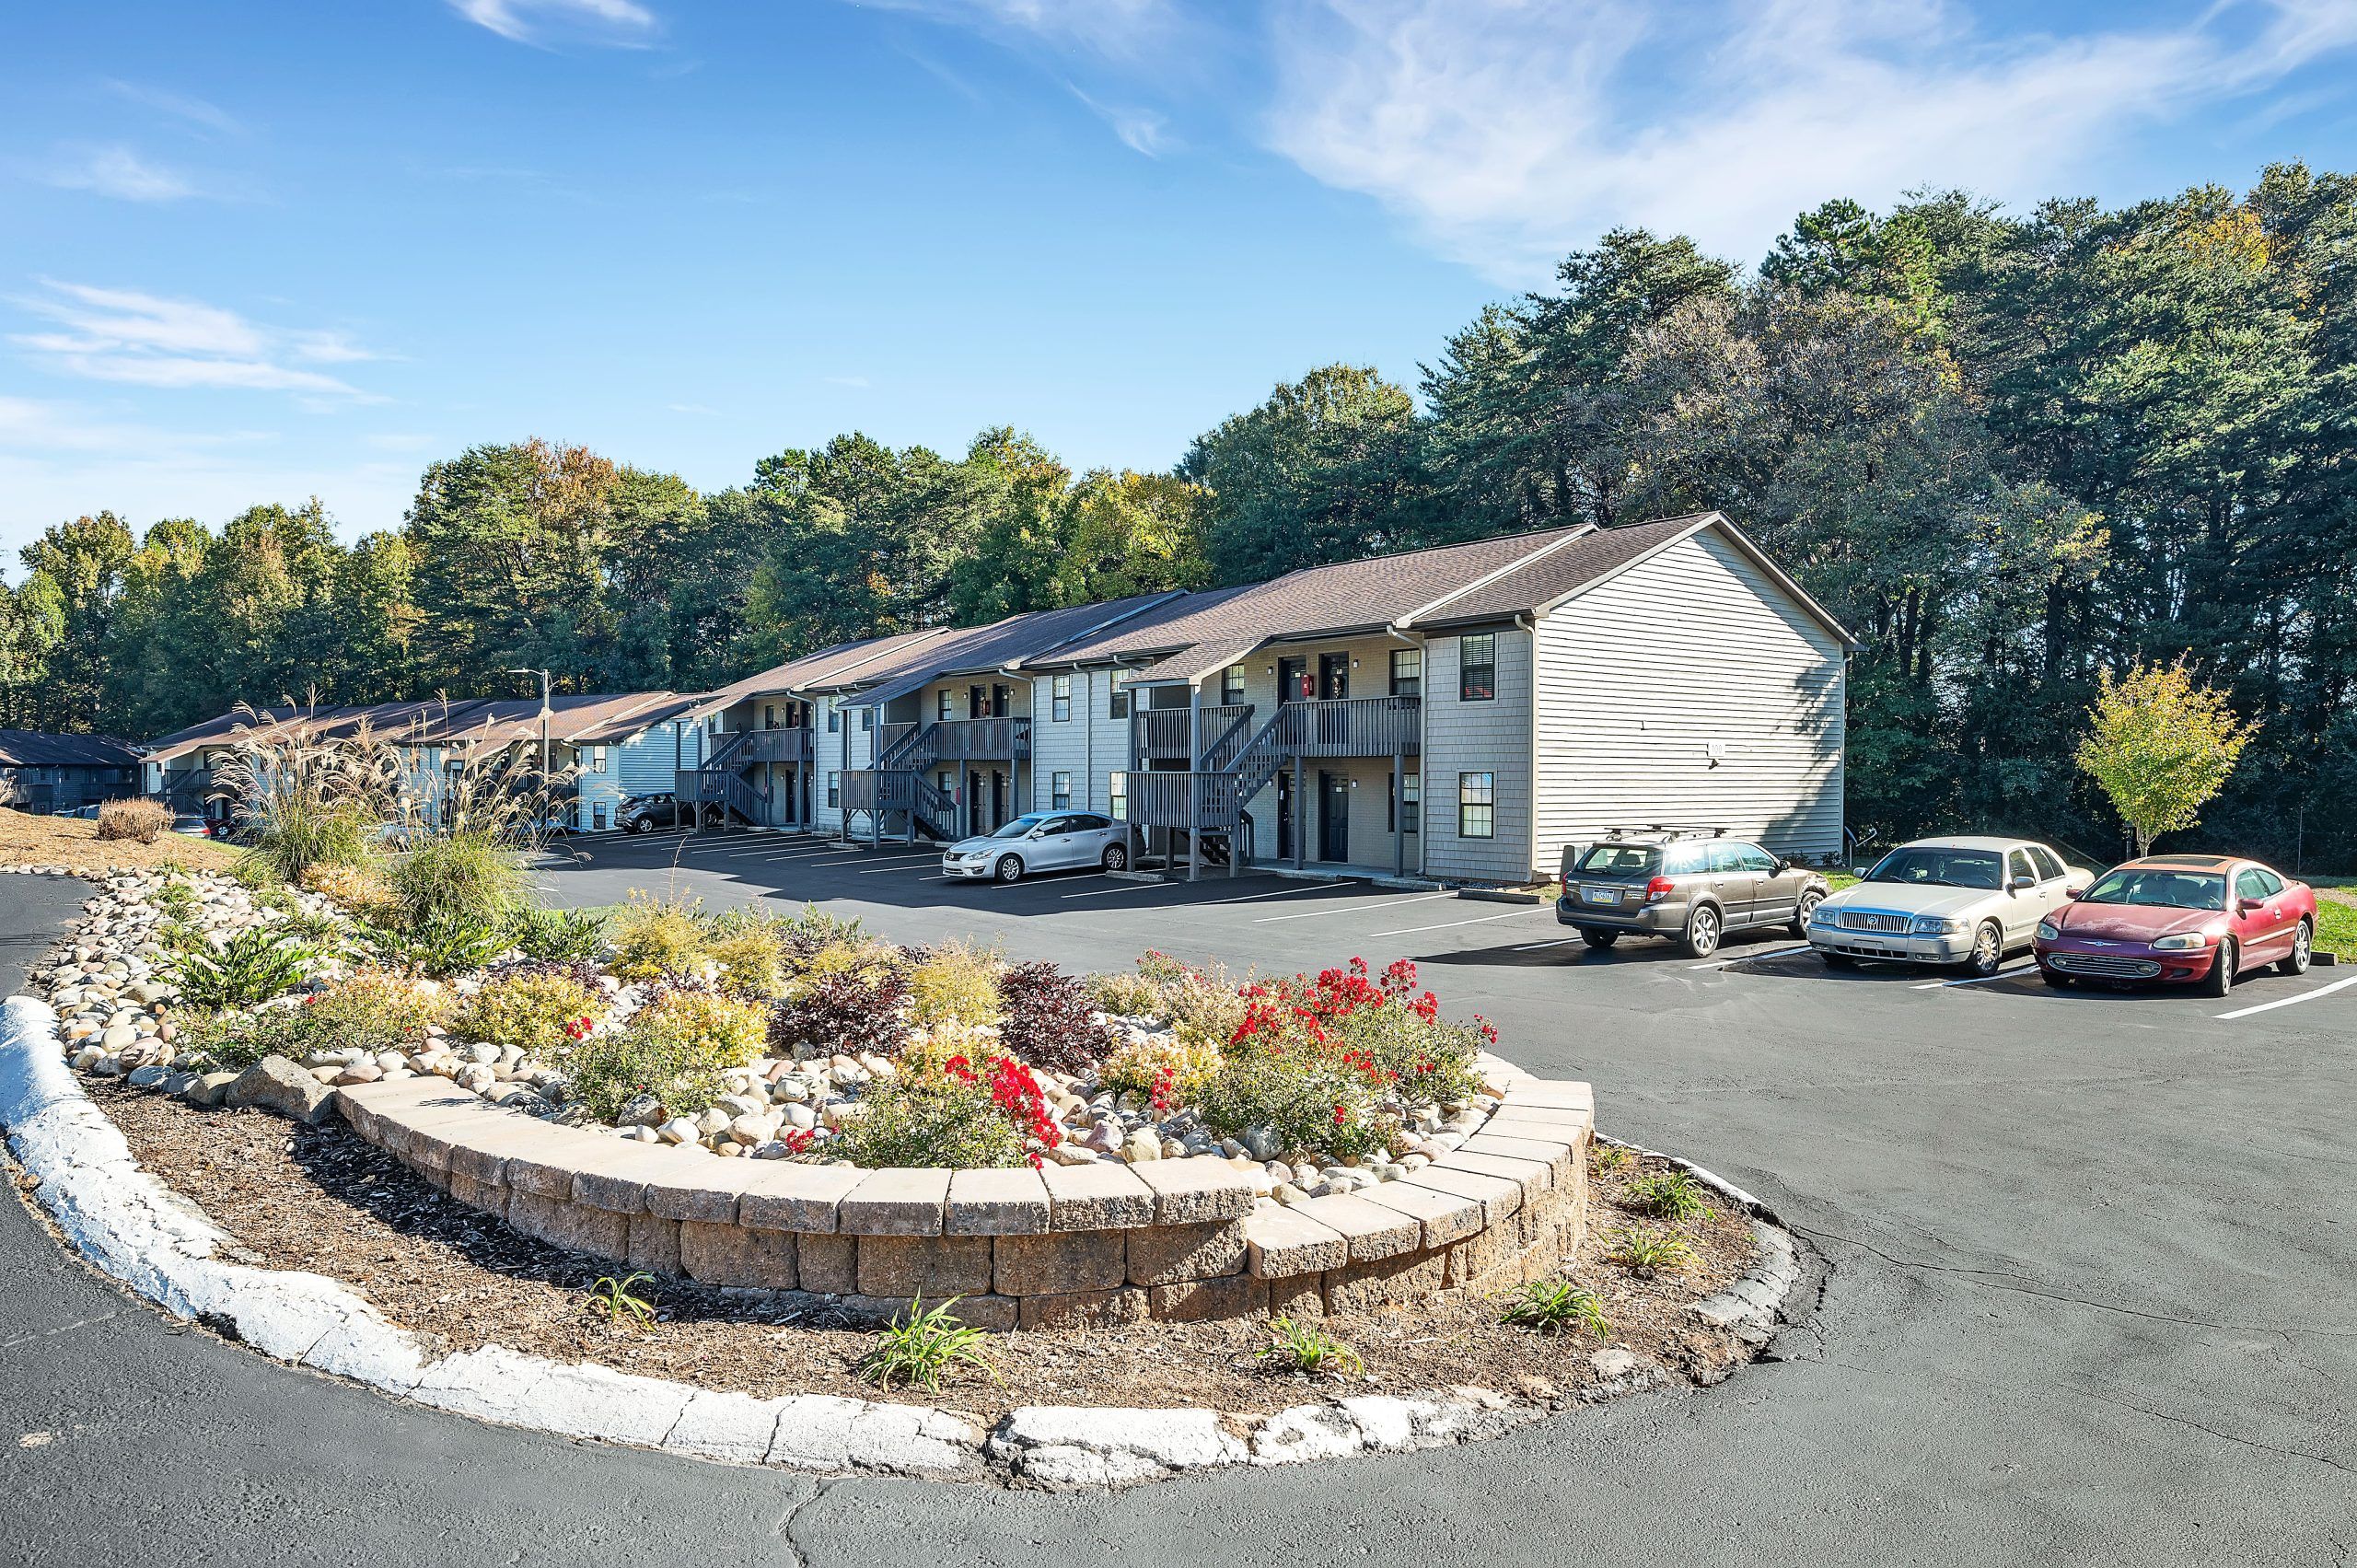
(1824, 917)
(2181, 941)
(1938, 925)
(2049, 929)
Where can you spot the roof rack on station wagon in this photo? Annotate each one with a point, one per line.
(1668, 831)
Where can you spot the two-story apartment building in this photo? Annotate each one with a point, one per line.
(1460, 712)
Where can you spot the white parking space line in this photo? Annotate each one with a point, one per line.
(1447, 924)
(1748, 958)
(1393, 903)
(1124, 888)
(1977, 978)
(865, 859)
(923, 862)
(1558, 942)
(2291, 1001)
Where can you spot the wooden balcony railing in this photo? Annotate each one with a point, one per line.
(1348, 726)
(1007, 739)
(1161, 735)
(1202, 803)
(793, 745)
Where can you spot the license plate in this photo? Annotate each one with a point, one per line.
(1600, 895)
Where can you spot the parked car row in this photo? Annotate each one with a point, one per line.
(1967, 902)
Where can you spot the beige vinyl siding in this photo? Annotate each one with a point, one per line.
(1641, 677)
(830, 758)
(1491, 737)
(1370, 676)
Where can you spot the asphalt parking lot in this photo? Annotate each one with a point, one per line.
(2090, 1296)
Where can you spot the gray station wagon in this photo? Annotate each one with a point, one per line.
(1692, 889)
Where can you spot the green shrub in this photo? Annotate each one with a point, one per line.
(253, 966)
(922, 1348)
(608, 1070)
(1307, 1349)
(1202, 1002)
(1311, 1103)
(374, 1010)
(1176, 1066)
(445, 945)
(530, 1010)
(922, 1120)
(955, 982)
(1557, 1307)
(652, 937)
(1671, 1194)
(555, 936)
(234, 1040)
(1646, 1252)
(468, 876)
(721, 1029)
(751, 960)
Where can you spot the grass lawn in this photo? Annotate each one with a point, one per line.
(2337, 926)
(73, 843)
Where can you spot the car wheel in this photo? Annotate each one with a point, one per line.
(1117, 857)
(1010, 868)
(1838, 961)
(2304, 948)
(2219, 982)
(1802, 910)
(2058, 982)
(1987, 949)
(1703, 931)
(1596, 937)
(643, 825)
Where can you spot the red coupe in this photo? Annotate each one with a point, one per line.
(2180, 920)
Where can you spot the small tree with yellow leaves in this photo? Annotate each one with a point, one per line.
(2161, 746)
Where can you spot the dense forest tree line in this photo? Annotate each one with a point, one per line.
(2011, 452)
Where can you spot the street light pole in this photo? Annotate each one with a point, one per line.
(544, 722)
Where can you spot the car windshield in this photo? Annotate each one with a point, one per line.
(1936, 865)
(2168, 889)
(1020, 827)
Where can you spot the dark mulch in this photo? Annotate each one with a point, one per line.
(319, 1198)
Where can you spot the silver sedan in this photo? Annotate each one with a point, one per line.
(1965, 901)
(1042, 841)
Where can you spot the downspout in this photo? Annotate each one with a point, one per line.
(1424, 741)
(1529, 625)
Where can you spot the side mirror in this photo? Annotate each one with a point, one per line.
(2072, 892)
(2251, 906)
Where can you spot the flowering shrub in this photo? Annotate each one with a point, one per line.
(657, 936)
(528, 1008)
(1049, 1019)
(234, 1040)
(848, 996)
(1015, 1094)
(1312, 1103)
(720, 1029)
(956, 981)
(928, 1118)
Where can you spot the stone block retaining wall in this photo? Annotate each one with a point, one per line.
(1102, 1243)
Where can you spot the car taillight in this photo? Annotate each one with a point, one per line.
(1658, 889)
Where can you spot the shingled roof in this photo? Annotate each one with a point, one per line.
(1002, 644)
(37, 749)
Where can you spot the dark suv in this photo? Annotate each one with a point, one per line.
(1693, 888)
(645, 813)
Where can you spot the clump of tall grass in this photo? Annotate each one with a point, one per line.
(312, 797)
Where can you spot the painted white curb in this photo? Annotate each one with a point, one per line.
(135, 1228)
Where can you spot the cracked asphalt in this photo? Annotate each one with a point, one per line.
(2092, 1299)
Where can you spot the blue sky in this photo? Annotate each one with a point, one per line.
(263, 250)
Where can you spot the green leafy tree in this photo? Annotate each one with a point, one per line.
(2161, 747)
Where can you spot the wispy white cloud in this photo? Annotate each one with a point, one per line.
(1141, 130)
(1115, 30)
(1508, 132)
(189, 111)
(124, 335)
(620, 23)
(116, 171)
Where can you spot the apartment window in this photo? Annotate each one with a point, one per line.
(1060, 792)
(1059, 698)
(941, 704)
(1231, 686)
(867, 720)
(597, 816)
(597, 758)
(834, 790)
(1411, 794)
(1118, 704)
(1477, 805)
(1406, 672)
(1477, 668)
(834, 718)
(1117, 794)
